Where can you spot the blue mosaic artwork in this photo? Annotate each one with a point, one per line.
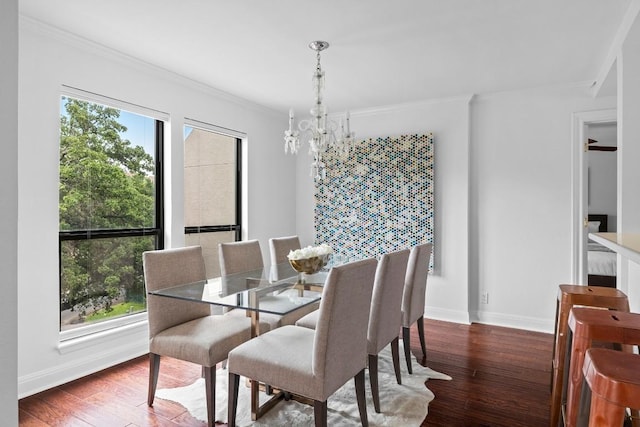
(378, 198)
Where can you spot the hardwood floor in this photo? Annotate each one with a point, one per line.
(500, 378)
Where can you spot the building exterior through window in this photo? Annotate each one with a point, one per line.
(211, 192)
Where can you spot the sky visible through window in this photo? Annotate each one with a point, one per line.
(140, 130)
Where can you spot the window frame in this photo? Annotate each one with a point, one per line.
(239, 137)
(160, 120)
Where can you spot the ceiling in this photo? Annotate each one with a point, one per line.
(382, 52)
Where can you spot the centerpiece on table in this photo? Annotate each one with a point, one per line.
(311, 259)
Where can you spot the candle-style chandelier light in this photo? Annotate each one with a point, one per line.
(323, 133)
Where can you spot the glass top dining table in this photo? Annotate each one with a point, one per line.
(278, 289)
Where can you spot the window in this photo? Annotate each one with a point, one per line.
(110, 211)
(211, 190)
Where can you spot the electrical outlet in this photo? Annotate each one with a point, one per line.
(484, 297)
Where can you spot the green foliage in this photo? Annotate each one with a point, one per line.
(106, 183)
(121, 309)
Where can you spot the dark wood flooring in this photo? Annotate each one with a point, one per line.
(500, 378)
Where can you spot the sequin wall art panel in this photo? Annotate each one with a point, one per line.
(378, 198)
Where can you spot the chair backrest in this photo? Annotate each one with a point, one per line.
(279, 248)
(386, 302)
(171, 267)
(415, 285)
(340, 342)
(238, 257)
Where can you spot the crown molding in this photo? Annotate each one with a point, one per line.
(571, 86)
(385, 109)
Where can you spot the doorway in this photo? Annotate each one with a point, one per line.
(602, 167)
(584, 125)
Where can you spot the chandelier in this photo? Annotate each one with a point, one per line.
(323, 133)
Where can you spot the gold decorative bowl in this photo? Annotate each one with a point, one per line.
(309, 265)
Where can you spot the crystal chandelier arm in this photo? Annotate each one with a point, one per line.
(291, 141)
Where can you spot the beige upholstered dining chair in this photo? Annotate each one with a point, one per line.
(237, 257)
(279, 248)
(385, 317)
(182, 329)
(413, 299)
(315, 363)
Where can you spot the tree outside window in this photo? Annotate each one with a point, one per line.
(109, 210)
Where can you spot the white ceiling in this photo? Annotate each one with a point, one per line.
(382, 52)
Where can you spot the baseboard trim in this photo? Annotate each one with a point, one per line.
(104, 356)
(447, 315)
(519, 322)
(495, 319)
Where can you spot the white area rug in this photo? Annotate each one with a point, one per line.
(401, 405)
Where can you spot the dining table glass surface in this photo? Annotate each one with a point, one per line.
(278, 289)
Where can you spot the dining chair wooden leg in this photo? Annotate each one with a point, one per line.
(406, 341)
(420, 323)
(319, 413)
(232, 404)
(373, 380)
(395, 356)
(210, 391)
(362, 402)
(154, 369)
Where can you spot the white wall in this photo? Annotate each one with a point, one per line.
(628, 68)
(49, 59)
(521, 197)
(503, 199)
(9, 211)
